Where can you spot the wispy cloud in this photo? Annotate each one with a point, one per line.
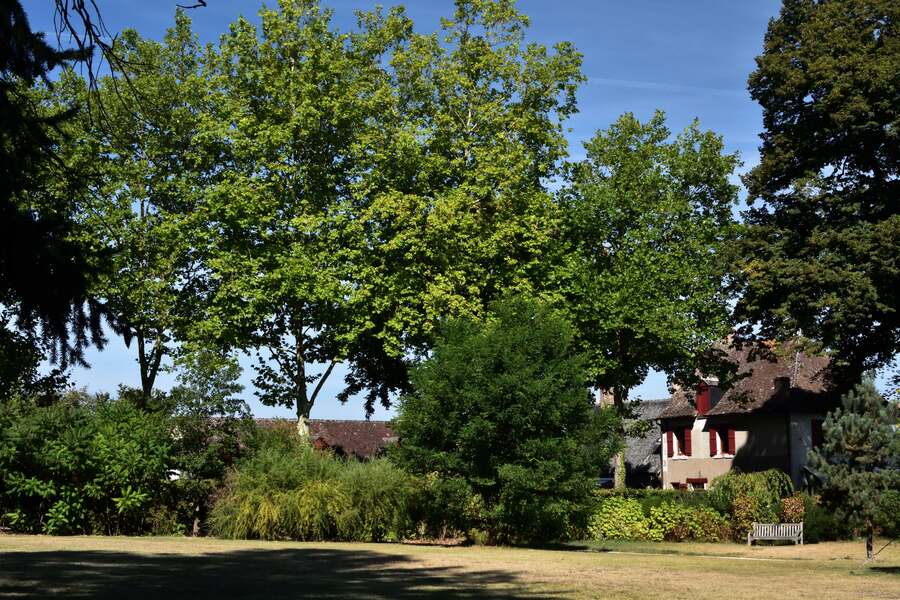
(667, 87)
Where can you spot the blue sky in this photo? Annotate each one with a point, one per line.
(689, 58)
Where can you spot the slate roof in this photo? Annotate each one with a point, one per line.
(353, 438)
(754, 390)
(642, 453)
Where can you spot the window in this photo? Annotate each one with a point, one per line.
(678, 442)
(818, 436)
(683, 436)
(725, 441)
(696, 483)
(702, 399)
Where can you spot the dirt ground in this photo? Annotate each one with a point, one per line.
(197, 569)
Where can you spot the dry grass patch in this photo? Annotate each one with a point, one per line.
(175, 568)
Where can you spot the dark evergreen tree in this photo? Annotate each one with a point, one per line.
(43, 274)
(502, 407)
(859, 461)
(820, 253)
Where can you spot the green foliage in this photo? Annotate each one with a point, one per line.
(647, 221)
(502, 405)
(44, 273)
(750, 498)
(456, 207)
(859, 461)
(142, 143)
(758, 494)
(288, 490)
(444, 507)
(820, 251)
(75, 468)
(820, 523)
(649, 497)
(379, 494)
(21, 353)
(677, 523)
(211, 425)
(619, 518)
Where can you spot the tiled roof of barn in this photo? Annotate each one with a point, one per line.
(357, 438)
(754, 392)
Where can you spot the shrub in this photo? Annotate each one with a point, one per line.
(651, 497)
(444, 507)
(819, 523)
(750, 497)
(379, 497)
(676, 523)
(767, 488)
(618, 519)
(288, 490)
(792, 509)
(76, 467)
(500, 404)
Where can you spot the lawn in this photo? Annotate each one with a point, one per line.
(197, 569)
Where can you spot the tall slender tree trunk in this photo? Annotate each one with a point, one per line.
(870, 542)
(619, 398)
(302, 399)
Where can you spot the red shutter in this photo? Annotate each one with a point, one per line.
(731, 444)
(670, 446)
(713, 449)
(702, 399)
(687, 442)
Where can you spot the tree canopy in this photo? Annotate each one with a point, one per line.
(820, 253)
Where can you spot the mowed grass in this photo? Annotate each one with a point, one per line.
(199, 569)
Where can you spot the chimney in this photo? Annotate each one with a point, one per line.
(782, 386)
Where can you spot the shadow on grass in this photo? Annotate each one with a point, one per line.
(888, 570)
(272, 574)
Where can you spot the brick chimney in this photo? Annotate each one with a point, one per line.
(782, 386)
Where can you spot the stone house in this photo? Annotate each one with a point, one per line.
(770, 418)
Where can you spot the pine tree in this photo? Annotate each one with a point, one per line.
(859, 461)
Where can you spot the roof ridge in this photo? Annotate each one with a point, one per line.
(350, 420)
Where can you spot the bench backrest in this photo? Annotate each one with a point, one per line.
(777, 530)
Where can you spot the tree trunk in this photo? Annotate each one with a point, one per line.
(195, 530)
(619, 399)
(620, 469)
(870, 543)
(149, 361)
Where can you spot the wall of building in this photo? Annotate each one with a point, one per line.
(801, 443)
(761, 442)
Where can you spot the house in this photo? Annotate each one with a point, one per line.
(770, 418)
(358, 439)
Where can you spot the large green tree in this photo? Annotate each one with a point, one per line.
(501, 406)
(142, 145)
(821, 251)
(455, 208)
(859, 461)
(294, 99)
(647, 220)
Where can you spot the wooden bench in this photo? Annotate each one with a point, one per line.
(776, 531)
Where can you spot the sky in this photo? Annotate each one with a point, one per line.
(689, 58)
